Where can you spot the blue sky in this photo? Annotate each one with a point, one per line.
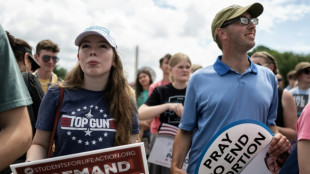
(156, 26)
(288, 35)
(291, 36)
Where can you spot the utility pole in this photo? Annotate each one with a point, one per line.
(137, 60)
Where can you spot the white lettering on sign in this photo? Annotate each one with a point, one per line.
(118, 167)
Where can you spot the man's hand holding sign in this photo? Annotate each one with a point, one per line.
(235, 146)
(279, 143)
(233, 150)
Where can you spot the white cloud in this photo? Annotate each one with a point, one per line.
(280, 11)
(157, 26)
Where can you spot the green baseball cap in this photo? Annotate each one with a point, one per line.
(232, 12)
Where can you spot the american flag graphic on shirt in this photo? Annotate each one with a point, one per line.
(167, 129)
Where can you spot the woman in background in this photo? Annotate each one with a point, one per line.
(143, 82)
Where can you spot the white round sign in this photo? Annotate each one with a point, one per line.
(232, 148)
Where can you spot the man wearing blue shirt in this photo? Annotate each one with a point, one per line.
(231, 89)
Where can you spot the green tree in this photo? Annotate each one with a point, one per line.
(286, 61)
(60, 71)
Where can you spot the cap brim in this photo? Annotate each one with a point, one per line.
(83, 35)
(254, 10)
(305, 67)
(34, 64)
(96, 30)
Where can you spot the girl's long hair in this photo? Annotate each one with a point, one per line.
(118, 95)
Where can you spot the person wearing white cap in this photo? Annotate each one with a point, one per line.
(227, 91)
(97, 110)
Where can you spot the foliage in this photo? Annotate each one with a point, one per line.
(286, 61)
(60, 71)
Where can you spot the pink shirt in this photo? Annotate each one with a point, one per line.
(156, 122)
(303, 124)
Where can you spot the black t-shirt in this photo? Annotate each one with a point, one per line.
(167, 94)
(36, 93)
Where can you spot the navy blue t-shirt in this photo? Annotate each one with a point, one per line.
(84, 124)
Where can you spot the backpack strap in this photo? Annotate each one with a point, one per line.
(61, 96)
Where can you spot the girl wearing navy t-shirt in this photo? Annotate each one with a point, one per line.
(97, 111)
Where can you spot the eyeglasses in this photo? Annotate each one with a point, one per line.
(47, 58)
(306, 71)
(243, 20)
(280, 80)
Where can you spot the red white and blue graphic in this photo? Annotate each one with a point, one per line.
(84, 124)
(168, 129)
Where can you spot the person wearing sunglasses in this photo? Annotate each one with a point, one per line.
(46, 56)
(228, 90)
(301, 92)
(300, 148)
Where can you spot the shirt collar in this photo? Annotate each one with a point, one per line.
(221, 68)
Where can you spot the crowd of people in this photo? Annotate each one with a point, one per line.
(199, 100)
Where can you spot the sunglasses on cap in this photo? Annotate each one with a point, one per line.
(243, 20)
(47, 58)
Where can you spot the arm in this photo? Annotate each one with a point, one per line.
(279, 143)
(181, 146)
(303, 156)
(303, 144)
(133, 138)
(39, 147)
(144, 125)
(148, 112)
(289, 116)
(15, 135)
